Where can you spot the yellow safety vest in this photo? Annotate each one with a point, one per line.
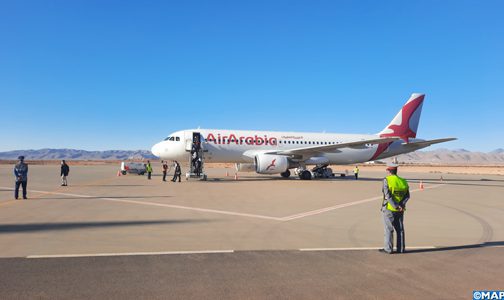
(356, 170)
(148, 168)
(398, 188)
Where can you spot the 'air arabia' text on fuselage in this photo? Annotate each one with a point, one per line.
(240, 140)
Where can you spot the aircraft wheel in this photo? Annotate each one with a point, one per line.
(306, 175)
(285, 174)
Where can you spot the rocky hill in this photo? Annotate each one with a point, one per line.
(72, 154)
(454, 157)
(440, 156)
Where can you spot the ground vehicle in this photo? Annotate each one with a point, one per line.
(133, 168)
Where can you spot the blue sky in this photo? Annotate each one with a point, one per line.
(99, 75)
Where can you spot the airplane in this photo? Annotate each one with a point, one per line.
(272, 152)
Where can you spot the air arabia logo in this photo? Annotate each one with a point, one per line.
(272, 165)
(403, 130)
(240, 140)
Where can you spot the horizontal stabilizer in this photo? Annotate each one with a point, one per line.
(423, 144)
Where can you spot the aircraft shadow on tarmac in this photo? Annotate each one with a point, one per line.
(34, 227)
(461, 247)
(132, 185)
(101, 197)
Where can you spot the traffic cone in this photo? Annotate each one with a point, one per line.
(119, 173)
(236, 176)
(421, 185)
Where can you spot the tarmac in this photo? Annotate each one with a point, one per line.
(258, 237)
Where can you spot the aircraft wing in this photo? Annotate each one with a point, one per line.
(423, 144)
(313, 150)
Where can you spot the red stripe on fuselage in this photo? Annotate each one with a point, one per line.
(381, 148)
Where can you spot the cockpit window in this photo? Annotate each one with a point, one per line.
(177, 139)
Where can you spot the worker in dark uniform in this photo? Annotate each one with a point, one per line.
(177, 172)
(395, 195)
(65, 170)
(21, 174)
(148, 169)
(165, 169)
(198, 167)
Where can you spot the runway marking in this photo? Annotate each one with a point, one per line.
(231, 213)
(330, 208)
(360, 248)
(223, 212)
(8, 202)
(129, 254)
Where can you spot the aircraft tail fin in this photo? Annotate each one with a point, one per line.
(405, 123)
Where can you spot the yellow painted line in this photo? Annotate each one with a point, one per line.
(8, 202)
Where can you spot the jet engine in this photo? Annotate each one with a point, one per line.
(271, 164)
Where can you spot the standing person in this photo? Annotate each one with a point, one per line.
(148, 169)
(395, 195)
(177, 172)
(356, 172)
(65, 169)
(21, 174)
(198, 167)
(194, 161)
(165, 169)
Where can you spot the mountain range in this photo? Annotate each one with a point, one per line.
(439, 156)
(72, 154)
(453, 157)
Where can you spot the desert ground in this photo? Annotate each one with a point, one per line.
(116, 237)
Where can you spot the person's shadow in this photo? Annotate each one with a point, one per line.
(461, 247)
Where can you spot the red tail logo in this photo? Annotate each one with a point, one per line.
(272, 165)
(403, 129)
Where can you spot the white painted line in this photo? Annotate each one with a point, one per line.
(231, 213)
(222, 212)
(330, 208)
(130, 254)
(360, 248)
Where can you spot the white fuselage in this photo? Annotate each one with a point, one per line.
(230, 146)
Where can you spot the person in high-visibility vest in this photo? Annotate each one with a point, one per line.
(395, 196)
(148, 168)
(356, 172)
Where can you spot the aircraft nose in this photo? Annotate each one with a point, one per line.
(156, 150)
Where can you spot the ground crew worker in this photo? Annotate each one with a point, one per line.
(198, 167)
(177, 172)
(395, 195)
(65, 169)
(148, 169)
(356, 172)
(21, 174)
(165, 169)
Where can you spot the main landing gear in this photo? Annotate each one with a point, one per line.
(285, 174)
